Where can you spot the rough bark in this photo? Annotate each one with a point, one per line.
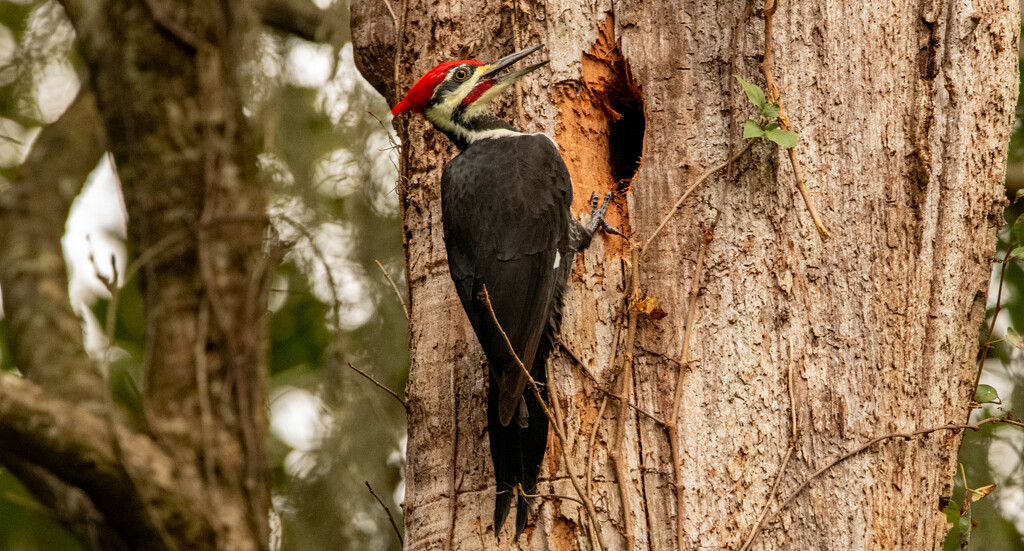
(166, 82)
(165, 98)
(904, 114)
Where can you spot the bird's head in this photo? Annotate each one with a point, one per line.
(455, 93)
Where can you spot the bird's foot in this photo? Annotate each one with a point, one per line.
(597, 215)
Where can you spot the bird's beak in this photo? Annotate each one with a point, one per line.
(507, 61)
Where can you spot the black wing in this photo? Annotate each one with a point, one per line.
(505, 204)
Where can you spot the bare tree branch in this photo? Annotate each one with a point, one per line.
(70, 505)
(299, 17)
(391, 519)
(79, 447)
(380, 385)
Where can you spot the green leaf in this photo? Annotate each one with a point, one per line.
(1017, 253)
(952, 513)
(965, 528)
(986, 394)
(771, 126)
(752, 130)
(1013, 338)
(754, 93)
(1017, 232)
(785, 138)
(770, 111)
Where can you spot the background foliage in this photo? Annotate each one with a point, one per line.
(327, 158)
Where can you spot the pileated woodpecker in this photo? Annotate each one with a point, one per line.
(507, 227)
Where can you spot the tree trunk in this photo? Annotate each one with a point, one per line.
(903, 113)
(167, 85)
(164, 95)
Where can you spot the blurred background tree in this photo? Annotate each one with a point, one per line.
(330, 165)
(327, 157)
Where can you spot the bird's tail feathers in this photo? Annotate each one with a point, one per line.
(517, 453)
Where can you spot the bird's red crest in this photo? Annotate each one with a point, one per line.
(421, 92)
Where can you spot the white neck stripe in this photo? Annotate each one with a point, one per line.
(469, 136)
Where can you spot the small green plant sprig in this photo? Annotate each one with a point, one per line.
(959, 516)
(767, 123)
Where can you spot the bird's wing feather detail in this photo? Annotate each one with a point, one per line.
(506, 209)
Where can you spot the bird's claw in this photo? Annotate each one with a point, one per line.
(597, 215)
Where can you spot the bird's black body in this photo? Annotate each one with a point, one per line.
(507, 226)
(507, 229)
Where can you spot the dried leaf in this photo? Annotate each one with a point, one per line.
(648, 306)
(979, 493)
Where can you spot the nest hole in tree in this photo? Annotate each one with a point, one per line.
(626, 136)
(607, 75)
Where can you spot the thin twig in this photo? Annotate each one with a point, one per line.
(588, 479)
(616, 452)
(770, 6)
(319, 254)
(379, 385)
(395, 287)
(177, 29)
(391, 519)
(604, 403)
(453, 487)
(205, 408)
(992, 326)
(654, 418)
(394, 18)
(587, 503)
(611, 394)
(556, 407)
(907, 436)
(672, 425)
(522, 492)
(590, 442)
(110, 282)
(203, 389)
(152, 253)
(700, 179)
(793, 436)
(111, 285)
(691, 316)
(29, 504)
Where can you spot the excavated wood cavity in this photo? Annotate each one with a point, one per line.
(601, 128)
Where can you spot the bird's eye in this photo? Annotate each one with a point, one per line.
(461, 73)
